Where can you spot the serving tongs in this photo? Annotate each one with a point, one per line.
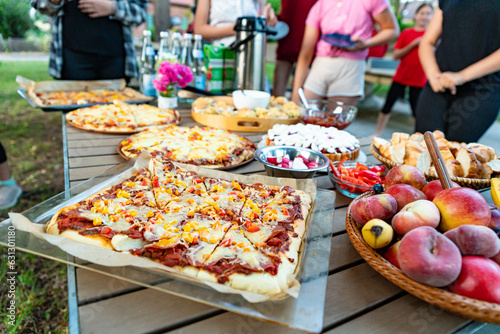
(438, 160)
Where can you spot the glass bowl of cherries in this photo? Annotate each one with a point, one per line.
(329, 114)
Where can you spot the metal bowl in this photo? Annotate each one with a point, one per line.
(330, 114)
(276, 151)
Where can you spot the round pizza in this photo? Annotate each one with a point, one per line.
(121, 117)
(202, 146)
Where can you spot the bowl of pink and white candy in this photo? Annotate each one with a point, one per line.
(291, 161)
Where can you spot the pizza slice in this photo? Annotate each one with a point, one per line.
(169, 181)
(113, 218)
(237, 263)
(181, 242)
(144, 140)
(228, 195)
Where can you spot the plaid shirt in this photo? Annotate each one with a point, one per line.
(128, 12)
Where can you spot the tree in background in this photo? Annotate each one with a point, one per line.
(14, 18)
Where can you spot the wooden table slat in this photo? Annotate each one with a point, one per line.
(139, 312)
(404, 315)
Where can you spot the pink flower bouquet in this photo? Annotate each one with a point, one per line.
(171, 75)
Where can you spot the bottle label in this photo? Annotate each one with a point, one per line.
(147, 84)
(199, 82)
(197, 54)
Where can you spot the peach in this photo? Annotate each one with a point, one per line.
(391, 254)
(405, 174)
(381, 206)
(475, 240)
(404, 194)
(461, 206)
(416, 214)
(479, 279)
(495, 217)
(433, 188)
(428, 257)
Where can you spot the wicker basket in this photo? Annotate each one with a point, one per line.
(463, 181)
(466, 307)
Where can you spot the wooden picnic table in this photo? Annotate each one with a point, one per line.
(358, 299)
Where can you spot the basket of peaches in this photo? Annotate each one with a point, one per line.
(440, 245)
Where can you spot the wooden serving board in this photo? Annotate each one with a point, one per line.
(235, 123)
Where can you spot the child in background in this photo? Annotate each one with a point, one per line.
(409, 72)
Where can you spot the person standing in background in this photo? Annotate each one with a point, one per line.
(409, 72)
(337, 73)
(92, 39)
(215, 19)
(462, 96)
(293, 13)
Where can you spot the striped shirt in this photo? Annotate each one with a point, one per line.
(128, 12)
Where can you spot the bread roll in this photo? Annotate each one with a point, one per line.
(417, 156)
(483, 153)
(377, 142)
(438, 134)
(469, 163)
(417, 136)
(454, 147)
(454, 168)
(399, 137)
(486, 172)
(385, 150)
(495, 166)
(398, 152)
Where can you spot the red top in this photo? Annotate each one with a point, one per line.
(377, 51)
(409, 71)
(293, 13)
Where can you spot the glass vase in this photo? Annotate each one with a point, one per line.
(168, 99)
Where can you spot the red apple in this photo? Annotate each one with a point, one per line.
(404, 194)
(428, 257)
(433, 188)
(381, 206)
(416, 214)
(405, 174)
(391, 254)
(495, 217)
(462, 206)
(479, 279)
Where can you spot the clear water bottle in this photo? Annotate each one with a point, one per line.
(146, 42)
(199, 67)
(187, 51)
(164, 51)
(148, 72)
(175, 52)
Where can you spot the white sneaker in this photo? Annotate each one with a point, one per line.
(9, 195)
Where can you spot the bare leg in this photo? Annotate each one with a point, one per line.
(349, 100)
(281, 76)
(381, 123)
(4, 171)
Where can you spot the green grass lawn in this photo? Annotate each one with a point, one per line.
(33, 142)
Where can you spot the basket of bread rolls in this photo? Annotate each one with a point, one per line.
(470, 165)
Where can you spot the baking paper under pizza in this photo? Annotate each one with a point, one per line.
(201, 146)
(245, 236)
(121, 117)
